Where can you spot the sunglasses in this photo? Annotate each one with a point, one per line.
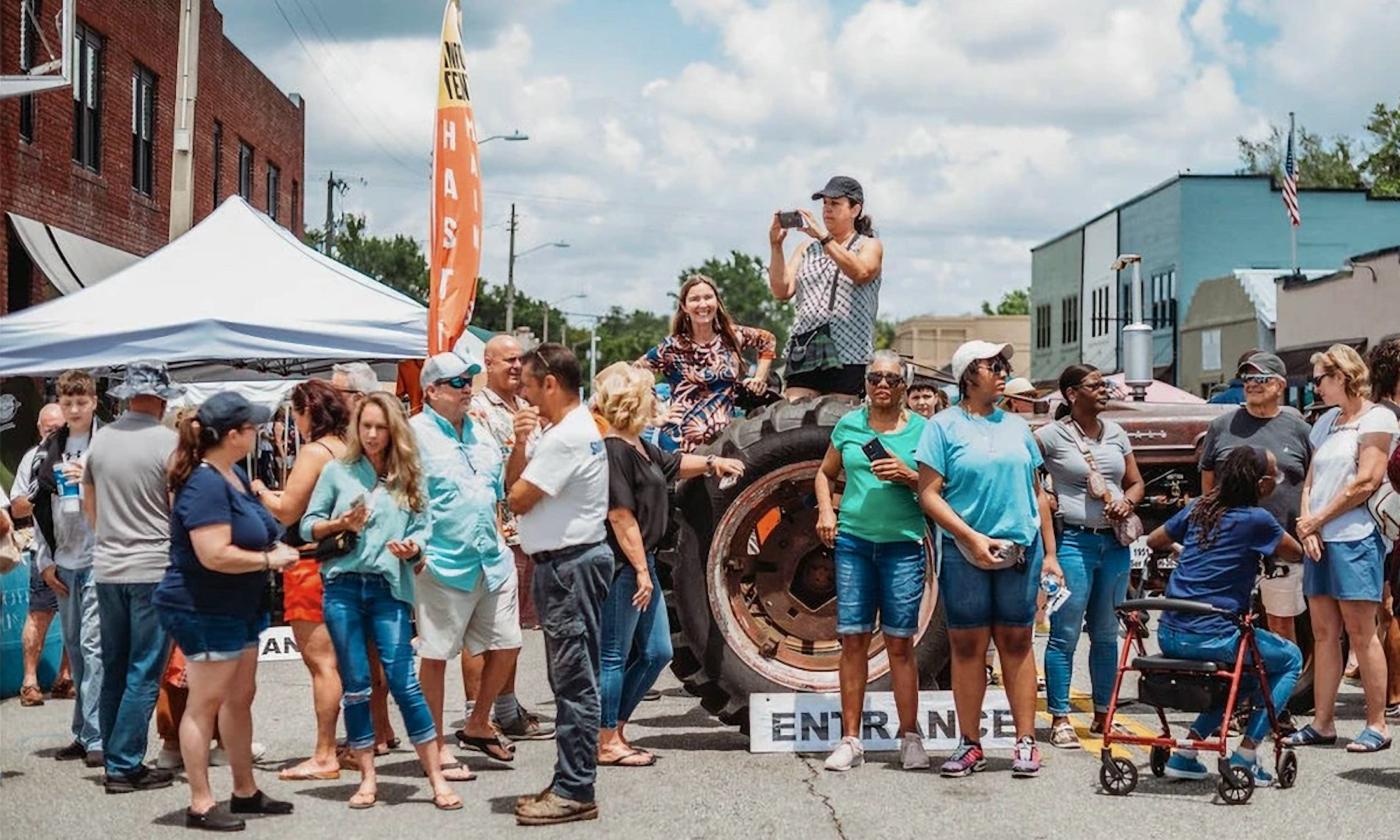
(1257, 378)
(891, 379)
(1093, 386)
(1317, 380)
(996, 365)
(458, 382)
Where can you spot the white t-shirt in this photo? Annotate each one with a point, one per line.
(1334, 466)
(75, 539)
(570, 465)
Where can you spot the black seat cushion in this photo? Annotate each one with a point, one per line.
(1163, 663)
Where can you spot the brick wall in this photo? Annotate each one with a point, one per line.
(40, 179)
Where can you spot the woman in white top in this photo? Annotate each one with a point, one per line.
(1345, 552)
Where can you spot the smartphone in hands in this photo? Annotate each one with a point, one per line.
(875, 450)
(790, 219)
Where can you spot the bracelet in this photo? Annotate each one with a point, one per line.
(825, 240)
(709, 466)
(267, 562)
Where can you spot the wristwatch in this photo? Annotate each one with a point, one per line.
(825, 239)
(709, 466)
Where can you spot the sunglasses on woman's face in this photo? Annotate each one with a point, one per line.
(1093, 385)
(458, 382)
(1317, 380)
(890, 379)
(997, 365)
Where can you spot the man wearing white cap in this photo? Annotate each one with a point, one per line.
(466, 591)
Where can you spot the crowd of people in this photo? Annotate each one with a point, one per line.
(441, 534)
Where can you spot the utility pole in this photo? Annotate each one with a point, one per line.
(592, 354)
(332, 184)
(510, 278)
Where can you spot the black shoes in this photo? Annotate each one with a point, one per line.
(143, 779)
(259, 803)
(94, 758)
(215, 819)
(72, 752)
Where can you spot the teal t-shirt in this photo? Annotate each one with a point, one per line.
(871, 509)
(988, 466)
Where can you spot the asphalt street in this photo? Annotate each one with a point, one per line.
(705, 784)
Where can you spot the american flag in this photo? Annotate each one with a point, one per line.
(1290, 181)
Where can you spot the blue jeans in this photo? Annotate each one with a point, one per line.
(1096, 570)
(974, 597)
(134, 651)
(634, 648)
(82, 639)
(358, 609)
(569, 588)
(1283, 662)
(887, 576)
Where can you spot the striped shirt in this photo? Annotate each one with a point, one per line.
(852, 319)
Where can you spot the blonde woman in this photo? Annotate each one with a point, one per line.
(1344, 569)
(371, 501)
(636, 637)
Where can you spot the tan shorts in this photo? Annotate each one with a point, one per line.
(450, 619)
(1283, 596)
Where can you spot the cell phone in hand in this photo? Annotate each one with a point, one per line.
(1009, 552)
(728, 481)
(790, 219)
(875, 450)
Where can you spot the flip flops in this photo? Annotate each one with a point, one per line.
(1369, 741)
(1309, 737)
(496, 746)
(635, 758)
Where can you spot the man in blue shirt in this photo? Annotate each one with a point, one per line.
(466, 590)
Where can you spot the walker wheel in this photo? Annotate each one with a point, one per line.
(1159, 761)
(1118, 777)
(1236, 786)
(1287, 769)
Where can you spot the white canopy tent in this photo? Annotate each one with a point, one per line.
(238, 289)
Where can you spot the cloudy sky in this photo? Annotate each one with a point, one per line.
(662, 133)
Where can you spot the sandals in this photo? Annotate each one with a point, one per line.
(1369, 741)
(1062, 735)
(635, 758)
(447, 802)
(456, 772)
(1309, 737)
(359, 801)
(496, 746)
(293, 774)
(30, 695)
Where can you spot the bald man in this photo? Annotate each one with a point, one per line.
(493, 409)
(42, 601)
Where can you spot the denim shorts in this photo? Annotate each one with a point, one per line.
(42, 599)
(974, 597)
(885, 576)
(1349, 571)
(210, 637)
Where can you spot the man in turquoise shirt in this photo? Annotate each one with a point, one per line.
(467, 591)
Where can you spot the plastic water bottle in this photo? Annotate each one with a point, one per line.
(1056, 593)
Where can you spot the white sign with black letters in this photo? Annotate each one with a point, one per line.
(276, 644)
(812, 722)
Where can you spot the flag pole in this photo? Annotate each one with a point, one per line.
(1292, 228)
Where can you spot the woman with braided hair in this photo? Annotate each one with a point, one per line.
(1222, 537)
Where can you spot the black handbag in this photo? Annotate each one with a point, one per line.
(815, 349)
(336, 546)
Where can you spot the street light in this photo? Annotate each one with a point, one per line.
(549, 306)
(592, 344)
(513, 137)
(510, 268)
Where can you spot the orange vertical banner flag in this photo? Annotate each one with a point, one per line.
(455, 218)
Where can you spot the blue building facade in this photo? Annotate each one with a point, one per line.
(1188, 229)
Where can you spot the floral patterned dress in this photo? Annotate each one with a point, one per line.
(704, 380)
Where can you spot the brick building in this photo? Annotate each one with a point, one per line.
(95, 159)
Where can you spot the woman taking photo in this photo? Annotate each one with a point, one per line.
(1344, 566)
(977, 481)
(836, 282)
(370, 502)
(703, 362)
(879, 552)
(222, 545)
(635, 635)
(1097, 484)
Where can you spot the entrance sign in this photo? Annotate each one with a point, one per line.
(812, 722)
(276, 644)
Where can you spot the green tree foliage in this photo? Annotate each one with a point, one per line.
(884, 334)
(743, 283)
(396, 261)
(1014, 302)
(1382, 166)
(1326, 163)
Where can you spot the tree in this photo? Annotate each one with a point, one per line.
(1321, 163)
(743, 284)
(884, 334)
(1382, 165)
(622, 336)
(1014, 302)
(396, 262)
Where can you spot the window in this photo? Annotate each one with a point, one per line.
(218, 160)
(143, 118)
(245, 171)
(87, 98)
(274, 176)
(1210, 350)
(1042, 326)
(1099, 302)
(1069, 320)
(28, 34)
(296, 207)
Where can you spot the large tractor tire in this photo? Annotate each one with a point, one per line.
(751, 590)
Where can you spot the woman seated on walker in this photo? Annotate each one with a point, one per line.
(1223, 535)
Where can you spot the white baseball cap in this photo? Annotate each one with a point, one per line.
(976, 350)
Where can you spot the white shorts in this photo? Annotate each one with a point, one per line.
(450, 619)
(1283, 596)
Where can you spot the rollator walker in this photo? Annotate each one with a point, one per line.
(1190, 685)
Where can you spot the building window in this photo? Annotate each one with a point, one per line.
(296, 207)
(245, 171)
(1042, 326)
(1210, 350)
(28, 35)
(87, 98)
(218, 160)
(1069, 320)
(274, 178)
(1098, 302)
(143, 118)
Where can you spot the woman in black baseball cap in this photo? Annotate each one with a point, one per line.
(835, 279)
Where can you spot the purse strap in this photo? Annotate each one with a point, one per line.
(1083, 444)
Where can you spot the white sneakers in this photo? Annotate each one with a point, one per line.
(912, 755)
(172, 760)
(848, 755)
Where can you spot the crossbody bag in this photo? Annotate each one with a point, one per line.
(1129, 528)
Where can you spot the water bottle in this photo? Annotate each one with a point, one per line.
(69, 492)
(1056, 593)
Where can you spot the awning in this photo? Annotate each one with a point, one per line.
(1298, 360)
(71, 262)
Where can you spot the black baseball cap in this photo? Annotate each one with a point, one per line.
(841, 186)
(228, 410)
